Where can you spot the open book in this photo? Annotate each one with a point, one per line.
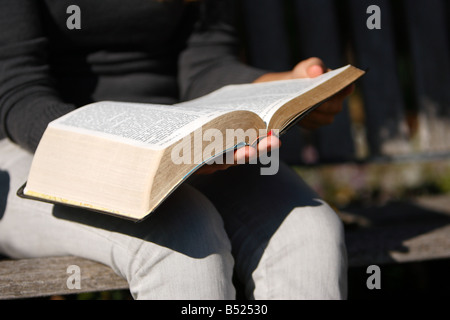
(125, 159)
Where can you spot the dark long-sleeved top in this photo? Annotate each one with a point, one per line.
(136, 50)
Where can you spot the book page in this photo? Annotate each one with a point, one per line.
(261, 98)
(158, 126)
(155, 126)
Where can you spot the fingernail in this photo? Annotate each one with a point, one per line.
(271, 133)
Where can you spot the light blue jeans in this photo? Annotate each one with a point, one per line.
(273, 232)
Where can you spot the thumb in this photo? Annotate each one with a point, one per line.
(315, 70)
(309, 68)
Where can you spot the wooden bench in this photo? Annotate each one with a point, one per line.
(396, 233)
(40, 277)
(399, 114)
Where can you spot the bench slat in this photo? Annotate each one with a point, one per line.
(398, 232)
(48, 276)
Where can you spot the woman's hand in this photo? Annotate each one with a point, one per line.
(323, 115)
(244, 154)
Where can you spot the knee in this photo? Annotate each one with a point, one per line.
(312, 231)
(324, 218)
(156, 273)
(319, 226)
(306, 257)
(182, 252)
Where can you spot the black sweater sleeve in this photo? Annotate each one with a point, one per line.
(28, 100)
(211, 59)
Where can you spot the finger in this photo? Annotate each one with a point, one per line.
(309, 126)
(314, 71)
(348, 90)
(245, 154)
(329, 107)
(344, 93)
(309, 68)
(240, 156)
(314, 67)
(336, 103)
(316, 120)
(268, 143)
(322, 119)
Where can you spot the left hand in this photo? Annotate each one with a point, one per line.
(244, 154)
(311, 68)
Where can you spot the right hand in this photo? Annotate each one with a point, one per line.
(244, 155)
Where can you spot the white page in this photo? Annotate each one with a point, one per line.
(262, 98)
(156, 126)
